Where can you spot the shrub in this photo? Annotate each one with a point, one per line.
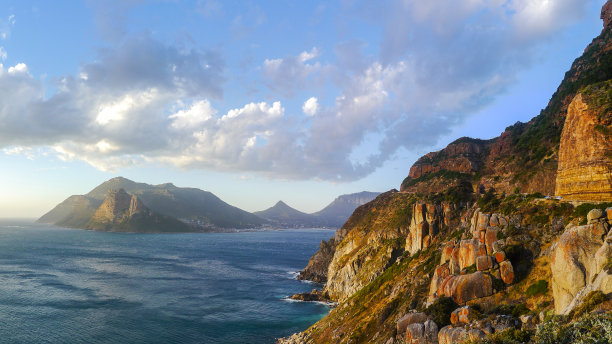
(514, 310)
(539, 287)
(509, 336)
(440, 311)
(592, 329)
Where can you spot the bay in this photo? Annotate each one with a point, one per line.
(73, 286)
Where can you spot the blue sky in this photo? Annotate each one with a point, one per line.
(261, 101)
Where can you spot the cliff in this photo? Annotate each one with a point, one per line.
(585, 153)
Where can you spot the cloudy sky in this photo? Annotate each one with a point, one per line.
(258, 101)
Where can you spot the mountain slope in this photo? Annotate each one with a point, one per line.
(285, 215)
(122, 212)
(193, 205)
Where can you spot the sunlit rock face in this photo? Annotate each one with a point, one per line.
(585, 152)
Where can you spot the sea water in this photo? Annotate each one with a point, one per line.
(73, 286)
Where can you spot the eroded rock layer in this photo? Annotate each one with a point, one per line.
(585, 153)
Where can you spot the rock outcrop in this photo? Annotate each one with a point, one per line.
(483, 254)
(464, 155)
(580, 262)
(585, 153)
(427, 221)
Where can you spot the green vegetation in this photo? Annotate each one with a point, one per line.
(507, 309)
(440, 311)
(488, 202)
(508, 336)
(591, 301)
(538, 288)
(442, 174)
(591, 329)
(582, 210)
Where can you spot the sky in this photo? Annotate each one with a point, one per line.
(260, 101)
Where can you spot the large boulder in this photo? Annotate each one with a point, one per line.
(421, 333)
(467, 287)
(456, 335)
(577, 260)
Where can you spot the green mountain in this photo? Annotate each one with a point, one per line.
(199, 208)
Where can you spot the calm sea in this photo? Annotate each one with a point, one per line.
(73, 286)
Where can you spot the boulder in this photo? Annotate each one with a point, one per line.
(506, 271)
(463, 315)
(484, 263)
(456, 335)
(594, 215)
(468, 251)
(421, 333)
(490, 238)
(410, 319)
(575, 261)
(500, 256)
(467, 287)
(609, 214)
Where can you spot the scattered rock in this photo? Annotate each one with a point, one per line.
(500, 256)
(410, 319)
(463, 315)
(506, 271)
(484, 263)
(594, 215)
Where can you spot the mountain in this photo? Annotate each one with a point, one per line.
(471, 249)
(199, 208)
(333, 215)
(122, 212)
(338, 211)
(284, 215)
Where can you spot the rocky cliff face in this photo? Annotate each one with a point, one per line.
(585, 153)
(464, 155)
(368, 243)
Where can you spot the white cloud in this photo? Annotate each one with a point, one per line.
(3, 54)
(19, 68)
(311, 106)
(200, 112)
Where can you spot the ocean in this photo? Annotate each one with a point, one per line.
(62, 285)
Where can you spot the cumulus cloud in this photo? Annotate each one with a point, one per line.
(311, 106)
